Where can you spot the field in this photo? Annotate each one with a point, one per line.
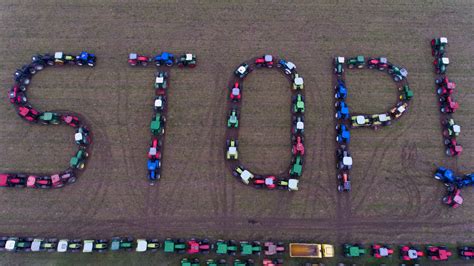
(394, 197)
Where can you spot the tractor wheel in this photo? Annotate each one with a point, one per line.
(444, 122)
(336, 115)
(439, 91)
(79, 63)
(144, 63)
(445, 200)
(339, 177)
(350, 66)
(448, 152)
(71, 180)
(441, 99)
(227, 142)
(340, 188)
(438, 80)
(371, 66)
(39, 67)
(81, 166)
(447, 141)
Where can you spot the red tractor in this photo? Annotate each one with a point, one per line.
(28, 113)
(410, 253)
(13, 180)
(380, 63)
(271, 248)
(39, 182)
(265, 61)
(135, 59)
(381, 251)
(452, 147)
(17, 96)
(448, 105)
(445, 86)
(466, 252)
(155, 149)
(270, 182)
(344, 181)
(438, 253)
(198, 246)
(272, 262)
(453, 199)
(71, 120)
(235, 93)
(298, 146)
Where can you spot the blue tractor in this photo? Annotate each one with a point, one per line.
(164, 58)
(86, 58)
(342, 110)
(446, 176)
(467, 180)
(153, 170)
(343, 134)
(341, 91)
(288, 67)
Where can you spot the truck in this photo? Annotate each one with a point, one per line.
(309, 250)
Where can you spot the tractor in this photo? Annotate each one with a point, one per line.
(288, 67)
(272, 262)
(342, 110)
(232, 153)
(441, 63)
(298, 146)
(174, 246)
(23, 75)
(82, 136)
(438, 46)
(50, 118)
(288, 184)
(380, 120)
(17, 96)
(195, 246)
(398, 110)
(160, 103)
(39, 61)
(14, 244)
(226, 247)
(135, 59)
(242, 70)
(245, 175)
(164, 58)
(264, 61)
(298, 103)
(410, 253)
(448, 105)
(61, 58)
(265, 181)
(187, 60)
(446, 87)
(296, 166)
(233, 120)
(235, 93)
(71, 120)
(247, 262)
(78, 161)
(381, 251)
(339, 65)
(452, 147)
(28, 113)
(406, 93)
(39, 181)
(380, 63)
(361, 121)
(353, 250)
(220, 262)
(86, 58)
(446, 176)
(343, 135)
(121, 243)
(65, 245)
(190, 262)
(341, 90)
(161, 80)
(99, 245)
(298, 82)
(157, 125)
(154, 152)
(358, 61)
(344, 182)
(247, 248)
(298, 125)
(13, 180)
(154, 170)
(453, 197)
(398, 74)
(344, 159)
(451, 129)
(271, 248)
(147, 244)
(466, 252)
(438, 253)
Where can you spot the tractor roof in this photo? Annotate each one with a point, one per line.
(232, 150)
(360, 119)
(158, 102)
(360, 58)
(11, 244)
(246, 176)
(58, 55)
(443, 40)
(401, 109)
(347, 160)
(159, 80)
(340, 59)
(142, 245)
(235, 91)
(299, 125)
(412, 254)
(383, 252)
(78, 136)
(189, 57)
(62, 245)
(133, 56)
(268, 58)
(404, 72)
(293, 184)
(298, 80)
(445, 60)
(383, 60)
(88, 246)
(36, 244)
(457, 128)
(383, 117)
(242, 69)
(290, 65)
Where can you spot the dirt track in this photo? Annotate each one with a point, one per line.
(394, 198)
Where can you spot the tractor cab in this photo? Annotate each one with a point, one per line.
(242, 70)
(159, 104)
(293, 184)
(298, 82)
(288, 67)
(246, 176)
(88, 246)
(62, 245)
(36, 244)
(142, 245)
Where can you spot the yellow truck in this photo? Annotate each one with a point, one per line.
(308, 250)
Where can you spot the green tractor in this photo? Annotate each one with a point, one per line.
(339, 65)
(298, 103)
(247, 248)
(174, 246)
(247, 262)
(358, 61)
(190, 262)
(188, 60)
(100, 245)
(121, 243)
(157, 125)
(233, 120)
(297, 166)
(50, 118)
(221, 262)
(406, 93)
(78, 161)
(353, 250)
(226, 247)
(397, 73)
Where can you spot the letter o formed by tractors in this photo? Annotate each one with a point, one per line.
(82, 136)
(290, 180)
